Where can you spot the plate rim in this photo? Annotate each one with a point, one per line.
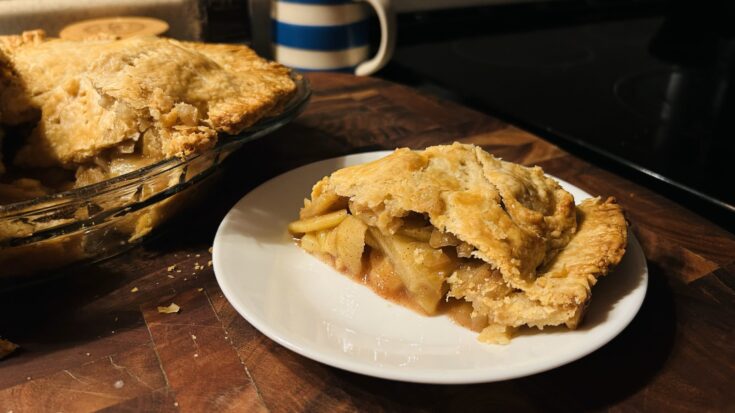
(633, 246)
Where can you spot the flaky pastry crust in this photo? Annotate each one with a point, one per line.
(515, 216)
(168, 96)
(563, 289)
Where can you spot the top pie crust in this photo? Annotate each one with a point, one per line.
(97, 96)
(515, 216)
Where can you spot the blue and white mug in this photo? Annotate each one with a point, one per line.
(331, 35)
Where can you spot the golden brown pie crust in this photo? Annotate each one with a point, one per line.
(173, 96)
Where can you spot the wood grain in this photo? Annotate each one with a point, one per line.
(197, 356)
(94, 385)
(89, 343)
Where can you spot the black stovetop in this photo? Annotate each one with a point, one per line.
(652, 96)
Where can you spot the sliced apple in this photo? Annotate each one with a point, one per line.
(382, 278)
(322, 204)
(317, 223)
(418, 233)
(438, 239)
(328, 241)
(310, 242)
(350, 244)
(420, 267)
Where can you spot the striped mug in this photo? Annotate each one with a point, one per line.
(331, 35)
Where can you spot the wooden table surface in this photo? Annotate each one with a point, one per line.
(88, 343)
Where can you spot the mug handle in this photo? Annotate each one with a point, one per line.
(387, 18)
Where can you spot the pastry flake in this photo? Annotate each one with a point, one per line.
(455, 223)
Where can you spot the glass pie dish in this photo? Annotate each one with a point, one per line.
(103, 219)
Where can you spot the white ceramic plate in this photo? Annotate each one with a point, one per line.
(306, 306)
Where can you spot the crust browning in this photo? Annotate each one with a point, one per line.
(562, 291)
(515, 216)
(165, 97)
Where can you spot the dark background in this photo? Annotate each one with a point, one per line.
(642, 88)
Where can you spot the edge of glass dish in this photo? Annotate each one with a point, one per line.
(59, 202)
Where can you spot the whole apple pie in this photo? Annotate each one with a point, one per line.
(104, 107)
(454, 229)
(75, 113)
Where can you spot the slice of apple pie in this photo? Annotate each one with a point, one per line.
(454, 228)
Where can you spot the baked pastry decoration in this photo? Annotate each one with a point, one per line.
(503, 243)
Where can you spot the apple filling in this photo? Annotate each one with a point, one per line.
(410, 266)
